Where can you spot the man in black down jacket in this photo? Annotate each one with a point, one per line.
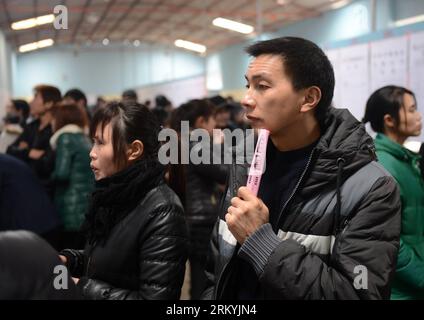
(326, 221)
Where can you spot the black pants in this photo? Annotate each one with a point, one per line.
(198, 276)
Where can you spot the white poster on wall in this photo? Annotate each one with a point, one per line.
(334, 57)
(354, 79)
(389, 63)
(416, 70)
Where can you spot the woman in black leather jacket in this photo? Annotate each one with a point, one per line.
(137, 242)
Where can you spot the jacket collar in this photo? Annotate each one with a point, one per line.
(343, 137)
(69, 128)
(384, 143)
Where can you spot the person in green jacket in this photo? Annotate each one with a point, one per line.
(73, 177)
(392, 112)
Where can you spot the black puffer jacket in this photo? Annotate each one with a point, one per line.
(143, 254)
(341, 221)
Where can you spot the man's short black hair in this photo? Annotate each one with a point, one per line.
(76, 94)
(23, 106)
(130, 94)
(305, 64)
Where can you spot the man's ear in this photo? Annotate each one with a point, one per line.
(389, 122)
(311, 98)
(135, 150)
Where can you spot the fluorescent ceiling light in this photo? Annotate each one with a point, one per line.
(339, 4)
(33, 22)
(45, 43)
(232, 25)
(36, 45)
(190, 45)
(404, 22)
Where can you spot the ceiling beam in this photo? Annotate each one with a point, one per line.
(174, 26)
(146, 15)
(104, 14)
(80, 21)
(123, 17)
(13, 36)
(213, 28)
(193, 28)
(35, 14)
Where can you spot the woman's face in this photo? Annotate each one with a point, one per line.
(101, 154)
(409, 118)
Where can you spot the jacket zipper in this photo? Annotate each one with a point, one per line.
(291, 196)
(296, 187)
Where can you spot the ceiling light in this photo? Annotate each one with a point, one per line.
(339, 4)
(411, 20)
(136, 43)
(45, 43)
(93, 18)
(232, 25)
(36, 45)
(105, 41)
(190, 45)
(33, 22)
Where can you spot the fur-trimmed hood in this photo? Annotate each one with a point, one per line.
(69, 128)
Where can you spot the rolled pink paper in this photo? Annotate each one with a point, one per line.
(258, 162)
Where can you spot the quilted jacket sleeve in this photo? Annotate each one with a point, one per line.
(366, 248)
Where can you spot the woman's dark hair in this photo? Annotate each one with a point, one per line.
(129, 122)
(65, 114)
(21, 105)
(76, 95)
(162, 101)
(386, 100)
(191, 111)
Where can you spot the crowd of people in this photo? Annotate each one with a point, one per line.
(90, 192)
